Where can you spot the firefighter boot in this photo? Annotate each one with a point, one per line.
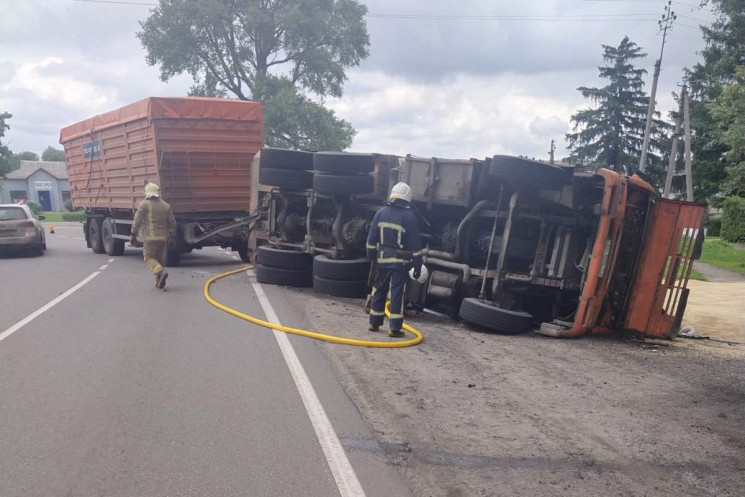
(161, 279)
(372, 327)
(395, 333)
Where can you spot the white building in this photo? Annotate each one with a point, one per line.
(37, 181)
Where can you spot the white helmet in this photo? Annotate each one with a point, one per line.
(152, 190)
(423, 275)
(400, 191)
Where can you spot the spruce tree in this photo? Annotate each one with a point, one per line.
(611, 133)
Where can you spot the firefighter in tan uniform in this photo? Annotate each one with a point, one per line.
(155, 217)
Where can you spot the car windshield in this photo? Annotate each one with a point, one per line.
(12, 213)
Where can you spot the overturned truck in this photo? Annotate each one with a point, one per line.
(512, 244)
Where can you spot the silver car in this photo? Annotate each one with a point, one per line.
(21, 230)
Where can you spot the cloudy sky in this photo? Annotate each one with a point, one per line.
(448, 79)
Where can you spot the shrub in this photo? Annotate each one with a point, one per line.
(68, 205)
(714, 228)
(37, 209)
(74, 216)
(733, 219)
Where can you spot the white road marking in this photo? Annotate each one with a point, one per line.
(23, 322)
(110, 260)
(103, 267)
(341, 468)
(79, 238)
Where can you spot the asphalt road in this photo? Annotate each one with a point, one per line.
(120, 389)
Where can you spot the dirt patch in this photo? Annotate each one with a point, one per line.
(469, 413)
(717, 309)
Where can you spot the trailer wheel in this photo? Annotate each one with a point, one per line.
(343, 162)
(530, 172)
(280, 158)
(282, 276)
(111, 245)
(353, 289)
(286, 178)
(341, 269)
(493, 318)
(337, 184)
(94, 235)
(283, 258)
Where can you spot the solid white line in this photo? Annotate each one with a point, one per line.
(341, 468)
(103, 267)
(110, 260)
(79, 238)
(23, 322)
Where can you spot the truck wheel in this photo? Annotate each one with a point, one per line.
(341, 269)
(493, 318)
(94, 235)
(111, 245)
(332, 184)
(283, 258)
(281, 276)
(530, 172)
(343, 162)
(352, 289)
(280, 158)
(286, 178)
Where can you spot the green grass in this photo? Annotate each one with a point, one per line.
(719, 253)
(695, 275)
(52, 217)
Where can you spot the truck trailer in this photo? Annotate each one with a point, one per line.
(512, 244)
(198, 150)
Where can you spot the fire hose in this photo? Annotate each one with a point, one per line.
(307, 333)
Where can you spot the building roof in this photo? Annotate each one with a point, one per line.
(29, 167)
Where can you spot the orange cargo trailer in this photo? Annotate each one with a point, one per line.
(198, 150)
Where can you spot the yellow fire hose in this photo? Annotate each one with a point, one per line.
(306, 333)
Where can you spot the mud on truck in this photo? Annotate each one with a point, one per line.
(512, 244)
(198, 150)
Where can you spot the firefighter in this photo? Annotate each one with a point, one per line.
(394, 245)
(159, 228)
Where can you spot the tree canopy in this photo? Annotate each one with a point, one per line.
(716, 91)
(611, 133)
(53, 154)
(5, 154)
(287, 54)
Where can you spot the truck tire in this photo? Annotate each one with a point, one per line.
(337, 184)
(530, 172)
(280, 158)
(282, 276)
(341, 269)
(112, 246)
(283, 258)
(94, 235)
(352, 289)
(493, 318)
(343, 162)
(286, 178)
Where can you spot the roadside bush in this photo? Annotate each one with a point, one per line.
(714, 228)
(74, 216)
(733, 219)
(68, 205)
(35, 208)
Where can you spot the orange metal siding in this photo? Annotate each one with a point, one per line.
(198, 150)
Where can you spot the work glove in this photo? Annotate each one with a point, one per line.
(417, 271)
(171, 243)
(132, 240)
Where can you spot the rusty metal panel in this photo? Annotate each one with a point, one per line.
(199, 150)
(439, 181)
(664, 268)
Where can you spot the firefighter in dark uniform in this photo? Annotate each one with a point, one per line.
(159, 228)
(394, 243)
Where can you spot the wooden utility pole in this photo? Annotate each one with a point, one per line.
(687, 125)
(665, 23)
(674, 148)
(551, 152)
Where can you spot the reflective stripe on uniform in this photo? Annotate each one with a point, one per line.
(382, 225)
(371, 247)
(390, 260)
(377, 313)
(396, 316)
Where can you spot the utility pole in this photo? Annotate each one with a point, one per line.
(687, 126)
(674, 148)
(551, 152)
(665, 23)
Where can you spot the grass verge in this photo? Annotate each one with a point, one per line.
(719, 253)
